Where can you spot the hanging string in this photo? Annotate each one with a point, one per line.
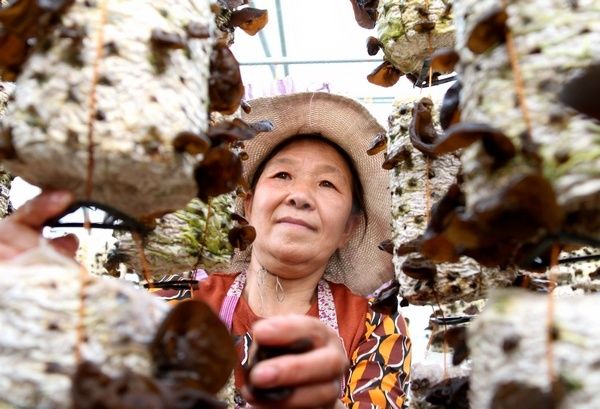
(518, 79)
(520, 91)
(92, 102)
(83, 274)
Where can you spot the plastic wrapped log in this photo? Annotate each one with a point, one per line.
(517, 90)
(416, 183)
(510, 352)
(194, 237)
(124, 78)
(46, 301)
(410, 30)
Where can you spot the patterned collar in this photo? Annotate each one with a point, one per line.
(325, 303)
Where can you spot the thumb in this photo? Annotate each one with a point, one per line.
(42, 207)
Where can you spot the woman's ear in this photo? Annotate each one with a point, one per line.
(351, 226)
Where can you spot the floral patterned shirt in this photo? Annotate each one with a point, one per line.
(377, 344)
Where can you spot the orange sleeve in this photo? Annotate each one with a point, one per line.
(380, 365)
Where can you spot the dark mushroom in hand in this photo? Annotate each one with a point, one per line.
(264, 352)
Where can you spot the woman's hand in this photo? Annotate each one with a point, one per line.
(315, 376)
(22, 230)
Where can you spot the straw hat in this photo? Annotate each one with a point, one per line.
(362, 266)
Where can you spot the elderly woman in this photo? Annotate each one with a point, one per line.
(320, 206)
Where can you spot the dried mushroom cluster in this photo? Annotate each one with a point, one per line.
(530, 163)
(193, 357)
(130, 105)
(511, 199)
(41, 317)
(417, 181)
(118, 102)
(492, 186)
(113, 96)
(408, 31)
(69, 340)
(88, 113)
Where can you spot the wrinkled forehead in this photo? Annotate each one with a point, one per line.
(312, 154)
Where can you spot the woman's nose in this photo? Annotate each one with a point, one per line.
(300, 199)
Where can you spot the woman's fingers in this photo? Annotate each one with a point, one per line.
(18, 236)
(285, 329)
(314, 376)
(41, 208)
(21, 231)
(319, 365)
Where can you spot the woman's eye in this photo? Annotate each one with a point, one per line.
(326, 183)
(282, 175)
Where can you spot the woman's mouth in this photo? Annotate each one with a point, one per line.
(297, 222)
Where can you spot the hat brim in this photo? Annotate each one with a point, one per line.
(361, 266)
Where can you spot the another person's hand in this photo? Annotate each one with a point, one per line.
(315, 376)
(22, 230)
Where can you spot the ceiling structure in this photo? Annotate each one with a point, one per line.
(315, 44)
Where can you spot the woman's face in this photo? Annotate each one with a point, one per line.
(301, 205)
